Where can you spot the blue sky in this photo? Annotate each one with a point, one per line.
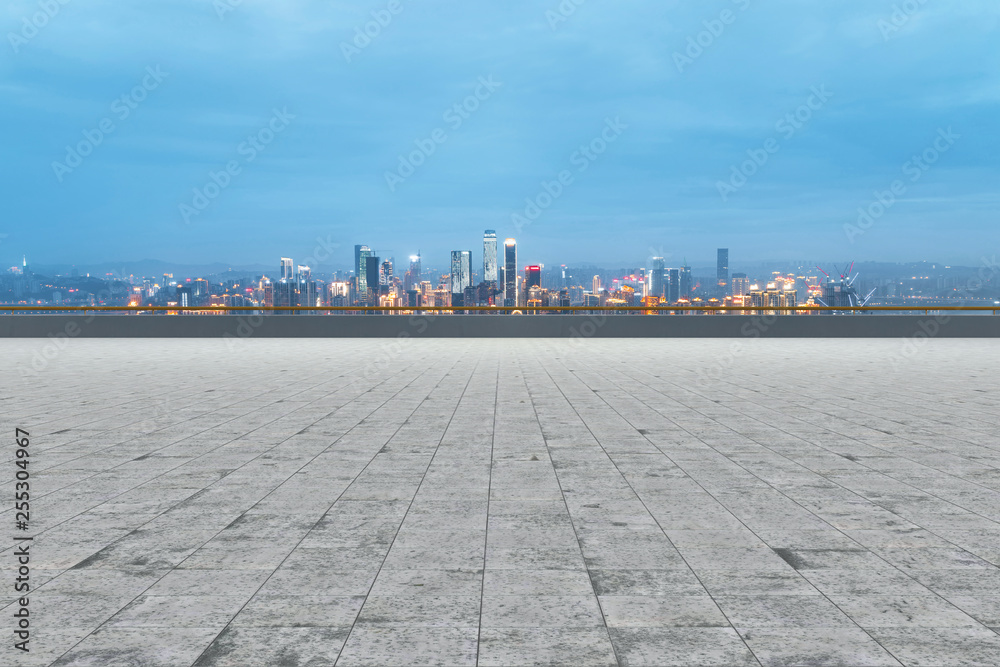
(873, 82)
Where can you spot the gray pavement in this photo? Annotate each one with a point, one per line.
(506, 502)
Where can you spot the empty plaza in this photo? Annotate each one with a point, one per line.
(577, 502)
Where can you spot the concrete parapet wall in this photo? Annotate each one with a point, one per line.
(502, 326)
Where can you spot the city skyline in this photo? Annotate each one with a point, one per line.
(374, 282)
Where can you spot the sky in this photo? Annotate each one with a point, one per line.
(198, 131)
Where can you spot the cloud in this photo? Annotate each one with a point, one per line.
(355, 119)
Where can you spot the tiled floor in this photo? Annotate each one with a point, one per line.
(547, 502)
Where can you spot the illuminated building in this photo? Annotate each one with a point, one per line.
(532, 277)
(510, 273)
(286, 269)
(741, 284)
(597, 285)
(687, 285)
(461, 275)
(656, 278)
(306, 289)
(385, 273)
(490, 256)
(265, 292)
(361, 255)
(339, 294)
(772, 297)
(412, 278)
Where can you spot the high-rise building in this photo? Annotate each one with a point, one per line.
(461, 275)
(597, 285)
(490, 256)
(722, 270)
(266, 292)
(385, 273)
(656, 278)
(510, 273)
(412, 280)
(687, 286)
(774, 297)
(284, 293)
(361, 253)
(532, 277)
(286, 269)
(370, 270)
(741, 284)
(674, 286)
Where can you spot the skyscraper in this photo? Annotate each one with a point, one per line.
(385, 273)
(723, 270)
(305, 288)
(686, 284)
(371, 272)
(361, 255)
(674, 286)
(510, 273)
(656, 278)
(461, 275)
(741, 284)
(286, 269)
(597, 285)
(412, 279)
(532, 277)
(357, 259)
(490, 256)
